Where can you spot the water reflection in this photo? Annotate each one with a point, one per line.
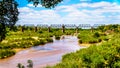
(37, 48)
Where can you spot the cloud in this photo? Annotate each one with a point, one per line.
(31, 5)
(83, 13)
(31, 16)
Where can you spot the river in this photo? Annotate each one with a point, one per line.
(48, 54)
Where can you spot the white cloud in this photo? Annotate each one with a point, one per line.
(31, 5)
(83, 13)
(30, 16)
(94, 5)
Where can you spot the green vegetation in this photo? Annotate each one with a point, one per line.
(30, 64)
(46, 3)
(6, 53)
(8, 16)
(88, 37)
(104, 55)
(25, 37)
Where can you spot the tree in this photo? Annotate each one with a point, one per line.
(8, 16)
(46, 3)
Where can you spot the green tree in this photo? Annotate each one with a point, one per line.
(8, 16)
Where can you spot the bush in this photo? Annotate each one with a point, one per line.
(99, 40)
(49, 40)
(42, 41)
(57, 37)
(4, 53)
(96, 35)
(80, 41)
(88, 37)
(40, 31)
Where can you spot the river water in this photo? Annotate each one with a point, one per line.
(48, 54)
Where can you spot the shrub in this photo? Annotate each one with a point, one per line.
(99, 40)
(80, 41)
(4, 53)
(96, 35)
(40, 31)
(49, 40)
(42, 41)
(57, 37)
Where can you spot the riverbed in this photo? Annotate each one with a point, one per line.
(43, 55)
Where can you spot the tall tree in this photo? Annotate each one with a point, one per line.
(8, 16)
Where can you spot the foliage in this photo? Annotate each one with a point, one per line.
(86, 36)
(6, 53)
(49, 40)
(96, 35)
(8, 16)
(46, 3)
(57, 37)
(30, 64)
(106, 55)
(113, 27)
(2, 31)
(70, 31)
(20, 65)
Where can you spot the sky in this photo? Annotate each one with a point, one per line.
(71, 12)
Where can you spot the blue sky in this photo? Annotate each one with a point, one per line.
(71, 12)
(23, 3)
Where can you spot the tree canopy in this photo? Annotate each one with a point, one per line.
(8, 15)
(46, 3)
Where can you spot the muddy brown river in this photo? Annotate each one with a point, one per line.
(48, 54)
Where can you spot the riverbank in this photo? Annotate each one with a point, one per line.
(88, 44)
(16, 41)
(49, 54)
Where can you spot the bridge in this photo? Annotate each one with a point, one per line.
(83, 26)
(62, 26)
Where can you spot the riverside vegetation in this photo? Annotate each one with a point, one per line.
(22, 37)
(103, 55)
